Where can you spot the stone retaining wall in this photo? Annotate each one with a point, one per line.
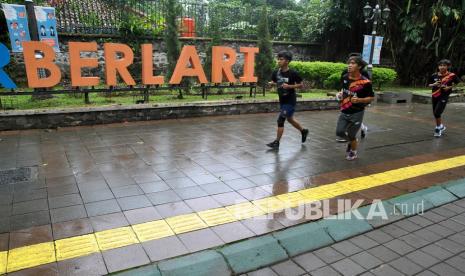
(34, 119)
(426, 99)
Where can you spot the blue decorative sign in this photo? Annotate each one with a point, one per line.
(47, 26)
(367, 49)
(16, 18)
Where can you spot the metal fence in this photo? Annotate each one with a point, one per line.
(147, 17)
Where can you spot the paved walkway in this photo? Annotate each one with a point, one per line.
(82, 182)
(428, 244)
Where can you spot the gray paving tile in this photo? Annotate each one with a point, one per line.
(328, 255)
(398, 246)
(347, 248)
(29, 206)
(457, 262)
(366, 260)
(133, 202)
(325, 271)
(288, 268)
(97, 195)
(263, 272)
(309, 261)
(422, 258)
(414, 240)
(163, 197)
(379, 236)
(406, 266)
(450, 245)
(383, 253)
(68, 213)
(437, 251)
(445, 269)
(363, 242)
(102, 207)
(348, 267)
(23, 221)
(386, 270)
(64, 201)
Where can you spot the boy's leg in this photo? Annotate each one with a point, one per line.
(342, 125)
(295, 124)
(439, 105)
(363, 131)
(302, 130)
(356, 123)
(279, 132)
(352, 133)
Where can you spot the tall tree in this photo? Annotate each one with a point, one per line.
(171, 36)
(215, 34)
(264, 62)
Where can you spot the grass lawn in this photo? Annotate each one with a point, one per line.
(67, 101)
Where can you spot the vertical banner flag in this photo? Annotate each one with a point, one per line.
(16, 19)
(47, 26)
(367, 49)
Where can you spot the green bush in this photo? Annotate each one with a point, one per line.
(382, 76)
(317, 72)
(327, 74)
(333, 81)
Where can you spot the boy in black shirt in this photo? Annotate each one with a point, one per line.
(287, 80)
(442, 83)
(357, 92)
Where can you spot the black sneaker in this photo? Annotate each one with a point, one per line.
(274, 144)
(304, 135)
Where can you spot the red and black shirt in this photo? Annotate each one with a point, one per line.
(448, 80)
(361, 88)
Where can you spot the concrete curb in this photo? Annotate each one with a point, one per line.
(254, 253)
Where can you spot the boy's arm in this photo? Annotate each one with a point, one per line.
(432, 83)
(273, 79)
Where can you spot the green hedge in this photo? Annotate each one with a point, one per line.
(327, 74)
(382, 76)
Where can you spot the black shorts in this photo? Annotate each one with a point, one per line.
(439, 105)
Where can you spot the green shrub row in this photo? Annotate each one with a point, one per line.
(327, 74)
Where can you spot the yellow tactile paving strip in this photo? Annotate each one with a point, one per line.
(39, 254)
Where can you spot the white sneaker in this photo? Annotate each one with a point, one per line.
(439, 131)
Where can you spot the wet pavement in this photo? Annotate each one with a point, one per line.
(72, 182)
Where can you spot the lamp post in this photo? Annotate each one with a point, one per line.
(376, 15)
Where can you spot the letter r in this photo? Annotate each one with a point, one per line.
(5, 80)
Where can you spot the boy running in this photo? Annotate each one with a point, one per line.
(357, 92)
(364, 72)
(442, 83)
(287, 80)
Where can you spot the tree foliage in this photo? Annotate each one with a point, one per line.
(215, 34)
(422, 32)
(171, 36)
(418, 33)
(264, 60)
